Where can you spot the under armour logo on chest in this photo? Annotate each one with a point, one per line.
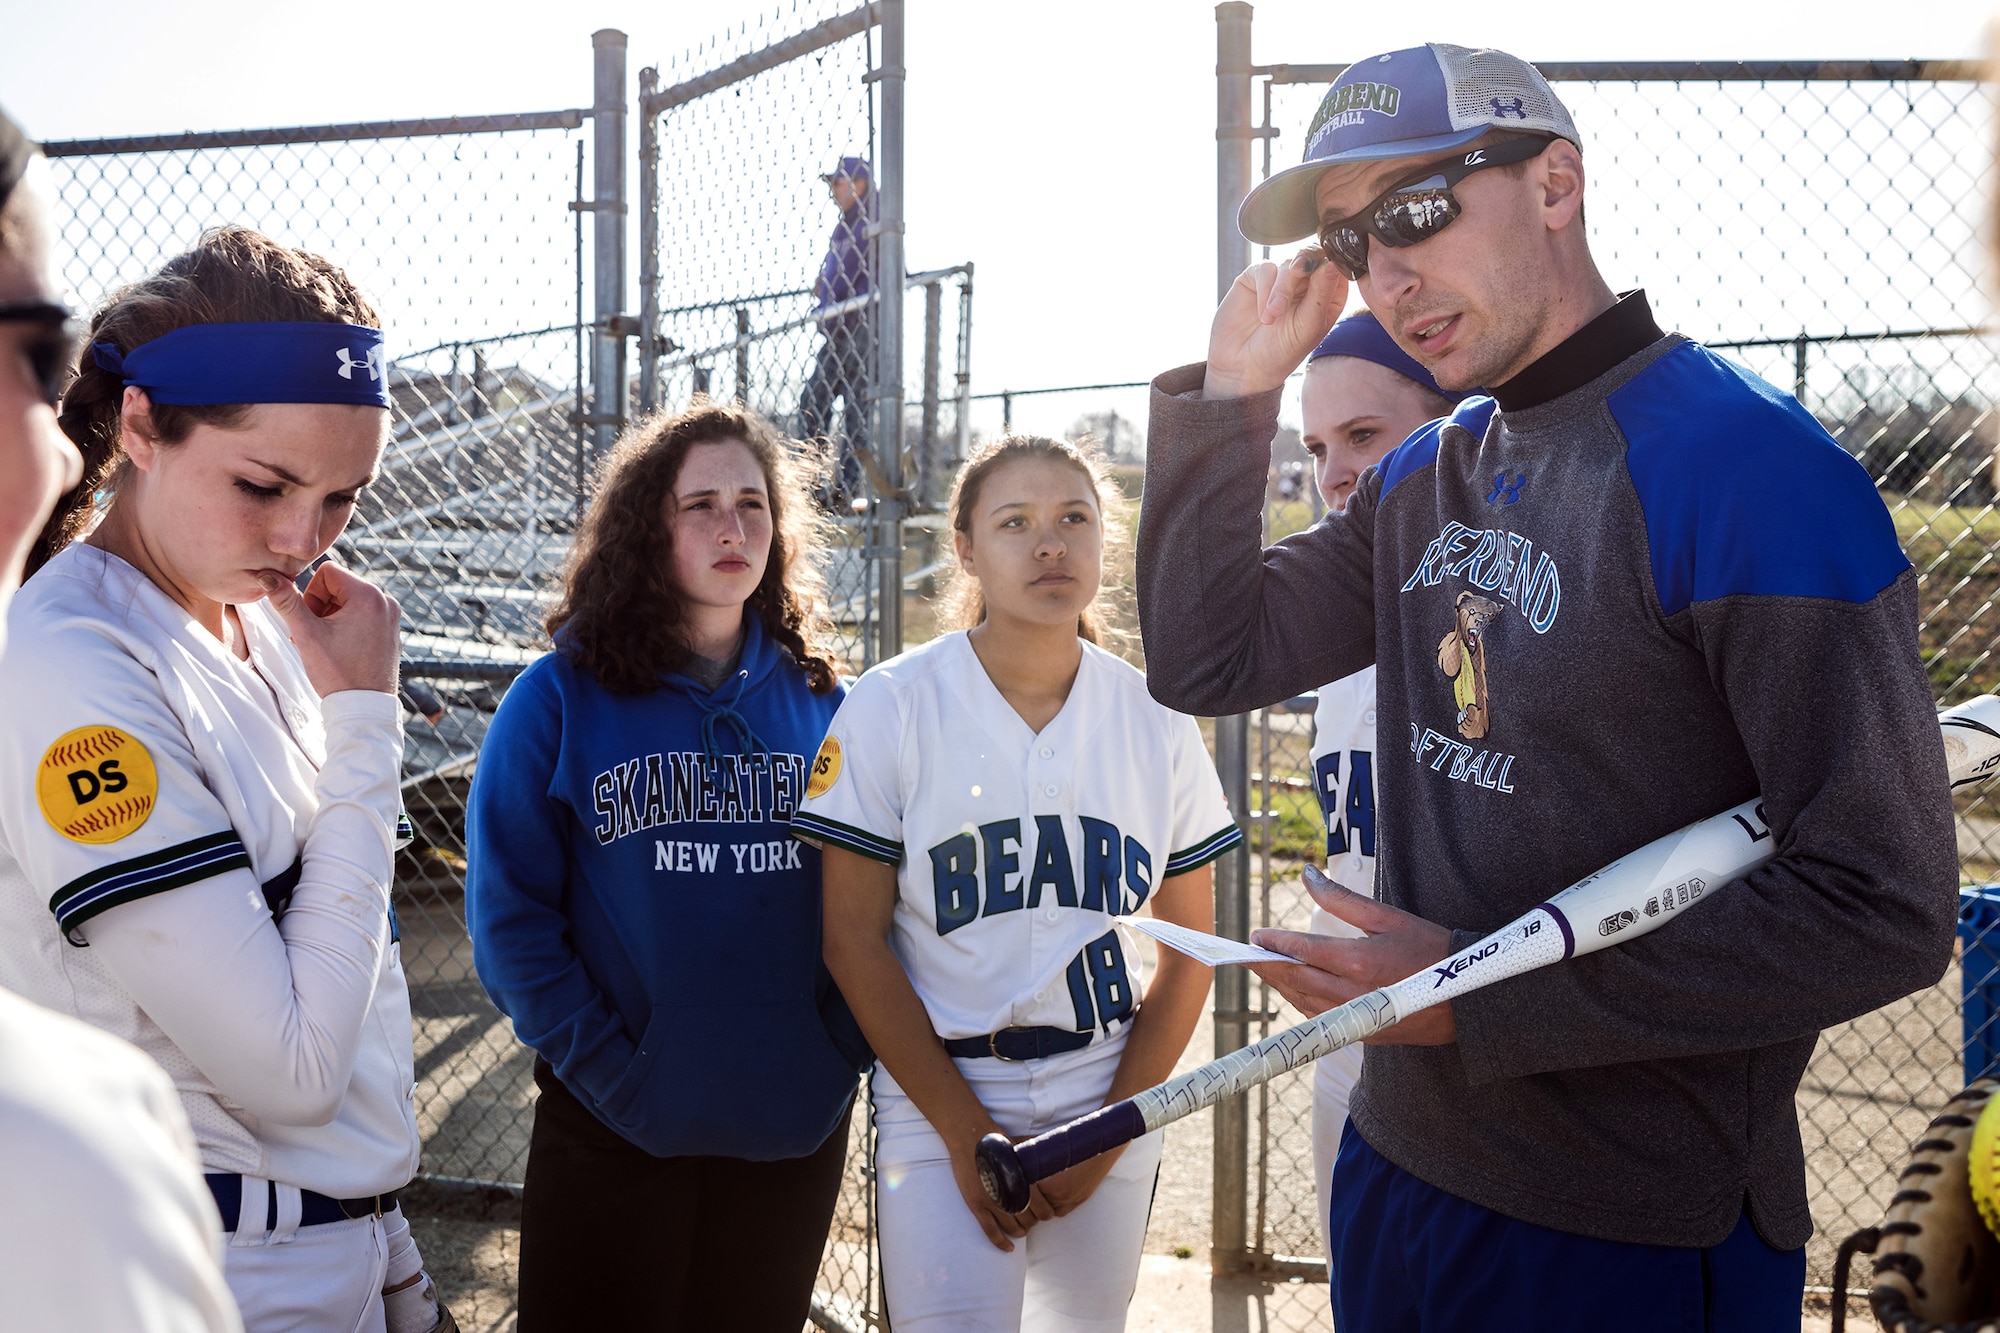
(1502, 109)
(372, 363)
(1505, 492)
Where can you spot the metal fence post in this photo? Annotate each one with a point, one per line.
(888, 435)
(1232, 734)
(743, 356)
(608, 232)
(927, 436)
(649, 241)
(963, 445)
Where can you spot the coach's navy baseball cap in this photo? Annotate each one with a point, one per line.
(1427, 99)
(854, 168)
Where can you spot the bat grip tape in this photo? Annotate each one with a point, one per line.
(1081, 1140)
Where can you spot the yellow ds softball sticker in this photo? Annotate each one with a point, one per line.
(96, 784)
(826, 767)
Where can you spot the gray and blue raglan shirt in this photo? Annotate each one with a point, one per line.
(1640, 587)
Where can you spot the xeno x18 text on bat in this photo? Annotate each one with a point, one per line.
(1632, 896)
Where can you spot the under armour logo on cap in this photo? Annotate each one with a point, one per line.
(370, 362)
(1414, 104)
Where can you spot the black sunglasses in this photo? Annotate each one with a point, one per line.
(51, 351)
(1417, 209)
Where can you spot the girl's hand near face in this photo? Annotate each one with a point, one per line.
(347, 630)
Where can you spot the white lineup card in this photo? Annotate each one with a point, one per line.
(1213, 950)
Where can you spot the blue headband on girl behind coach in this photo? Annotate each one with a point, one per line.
(308, 361)
(1363, 336)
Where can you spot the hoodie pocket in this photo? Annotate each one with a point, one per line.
(619, 1100)
(761, 1082)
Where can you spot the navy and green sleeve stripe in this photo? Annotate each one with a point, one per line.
(820, 829)
(143, 876)
(1199, 855)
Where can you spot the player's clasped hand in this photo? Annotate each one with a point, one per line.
(1001, 1227)
(1333, 970)
(1270, 320)
(345, 628)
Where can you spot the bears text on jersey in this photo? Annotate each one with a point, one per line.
(985, 874)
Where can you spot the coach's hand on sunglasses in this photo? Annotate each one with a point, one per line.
(1334, 969)
(1271, 318)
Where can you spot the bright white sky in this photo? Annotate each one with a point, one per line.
(1067, 148)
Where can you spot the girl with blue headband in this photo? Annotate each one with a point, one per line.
(104, 1221)
(199, 767)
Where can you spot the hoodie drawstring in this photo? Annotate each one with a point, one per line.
(748, 741)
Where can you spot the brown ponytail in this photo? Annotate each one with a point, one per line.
(233, 275)
(964, 600)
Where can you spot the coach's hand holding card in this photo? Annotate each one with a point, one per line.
(1331, 970)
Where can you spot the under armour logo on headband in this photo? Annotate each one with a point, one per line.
(372, 363)
(279, 361)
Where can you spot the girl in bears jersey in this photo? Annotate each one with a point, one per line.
(199, 767)
(638, 910)
(989, 805)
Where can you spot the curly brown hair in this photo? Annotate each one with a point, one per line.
(964, 600)
(232, 276)
(622, 618)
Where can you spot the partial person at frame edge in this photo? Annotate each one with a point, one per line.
(104, 1222)
(1616, 596)
(200, 796)
(638, 907)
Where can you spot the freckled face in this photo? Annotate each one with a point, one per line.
(720, 515)
(1036, 541)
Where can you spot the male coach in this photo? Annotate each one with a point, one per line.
(1632, 587)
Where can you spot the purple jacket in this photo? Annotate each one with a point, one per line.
(845, 272)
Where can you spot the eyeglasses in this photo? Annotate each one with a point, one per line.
(51, 350)
(1419, 208)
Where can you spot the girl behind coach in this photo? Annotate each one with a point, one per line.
(640, 911)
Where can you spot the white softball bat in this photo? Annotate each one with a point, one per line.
(1633, 896)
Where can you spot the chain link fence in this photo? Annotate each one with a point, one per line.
(480, 241)
(463, 235)
(1819, 224)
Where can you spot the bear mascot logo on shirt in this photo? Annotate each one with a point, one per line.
(1462, 656)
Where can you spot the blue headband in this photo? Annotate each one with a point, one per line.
(278, 362)
(1364, 337)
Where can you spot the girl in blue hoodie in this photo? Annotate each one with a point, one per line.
(639, 910)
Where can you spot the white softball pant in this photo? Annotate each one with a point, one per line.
(1334, 1077)
(322, 1279)
(1071, 1274)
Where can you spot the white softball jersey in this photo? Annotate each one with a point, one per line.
(1014, 850)
(104, 1223)
(1343, 767)
(195, 855)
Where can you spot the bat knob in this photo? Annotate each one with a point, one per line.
(1001, 1172)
